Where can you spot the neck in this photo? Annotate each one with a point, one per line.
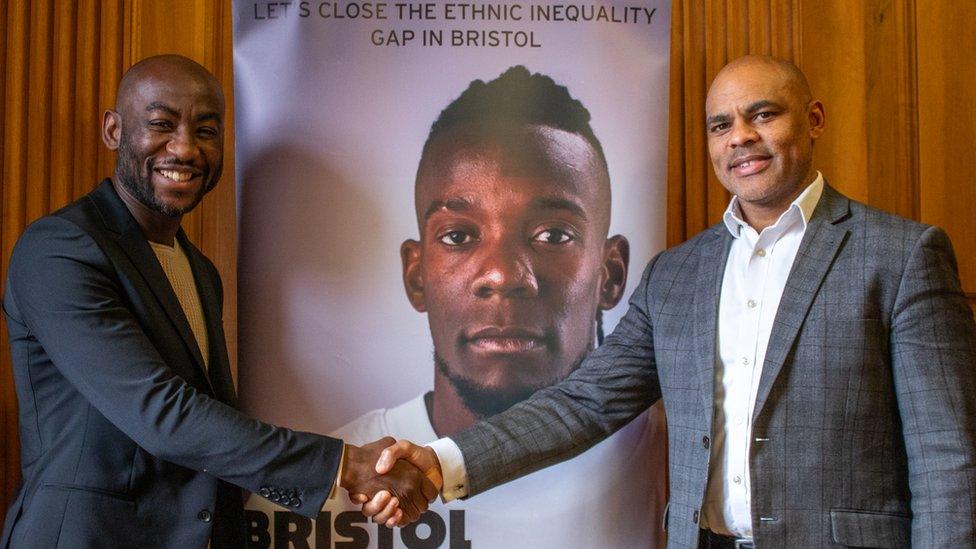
(759, 216)
(155, 226)
(447, 413)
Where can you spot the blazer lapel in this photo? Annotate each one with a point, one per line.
(818, 248)
(218, 365)
(711, 268)
(134, 244)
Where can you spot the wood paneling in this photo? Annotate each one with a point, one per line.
(61, 63)
(946, 45)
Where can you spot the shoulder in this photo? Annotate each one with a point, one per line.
(365, 428)
(870, 222)
(408, 420)
(52, 237)
(684, 260)
(891, 240)
(72, 229)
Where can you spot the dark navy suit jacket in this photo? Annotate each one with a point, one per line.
(126, 439)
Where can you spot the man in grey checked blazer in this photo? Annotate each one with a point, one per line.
(863, 421)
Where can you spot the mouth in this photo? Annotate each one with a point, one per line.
(505, 340)
(750, 164)
(180, 174)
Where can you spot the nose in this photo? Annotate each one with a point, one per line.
(506, 271)
(743, 133)
(182, 145)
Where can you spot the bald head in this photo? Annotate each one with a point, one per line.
(789, 76)
(162, 68)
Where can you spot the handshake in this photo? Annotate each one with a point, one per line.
(393, 480)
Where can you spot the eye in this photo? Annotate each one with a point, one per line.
(158, 124)
(765, 115)
(455, 238)
(717, 128)
(552, 236)
(207, 132)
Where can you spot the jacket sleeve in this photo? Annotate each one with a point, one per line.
(62, 287)
(933, 358)
(613, 385)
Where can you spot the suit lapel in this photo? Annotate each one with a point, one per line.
(818, 248)
(711, 268)
(219, 367)
(134, 244)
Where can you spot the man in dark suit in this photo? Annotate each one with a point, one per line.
(816, 357)
(128, 429)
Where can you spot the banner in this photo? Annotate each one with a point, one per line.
(442, 206)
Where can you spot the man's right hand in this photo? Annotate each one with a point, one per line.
(408, 490)
(383, 508)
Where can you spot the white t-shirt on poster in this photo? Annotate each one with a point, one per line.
(612, 495)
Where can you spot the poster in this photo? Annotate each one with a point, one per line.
(391, 285)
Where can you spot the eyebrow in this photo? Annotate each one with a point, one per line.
(453, 204)
(752, 108)
(160, 106)
(553, 203)
(209, 116)
(542, 203)
(717, 119)
(760, 105)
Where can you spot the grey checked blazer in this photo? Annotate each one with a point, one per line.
(865, 421)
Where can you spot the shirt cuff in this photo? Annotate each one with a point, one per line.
(452, 469)
(342, 462)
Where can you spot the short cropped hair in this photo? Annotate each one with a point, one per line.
(514, 99)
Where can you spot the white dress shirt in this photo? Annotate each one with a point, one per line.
(755, 276)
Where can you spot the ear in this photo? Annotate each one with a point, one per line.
(413, 280)
(111, 129)
(815, 115)
(613, 280)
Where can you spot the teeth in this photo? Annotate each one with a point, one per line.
(175, 175)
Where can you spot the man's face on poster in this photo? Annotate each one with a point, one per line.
(513, 261)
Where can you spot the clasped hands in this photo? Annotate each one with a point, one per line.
(393, 481)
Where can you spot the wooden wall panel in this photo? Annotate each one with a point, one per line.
(865, 82)
(61, 63)
(946, 47)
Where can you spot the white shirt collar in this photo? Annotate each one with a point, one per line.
(802, 206)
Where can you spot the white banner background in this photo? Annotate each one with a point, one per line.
(330, 127)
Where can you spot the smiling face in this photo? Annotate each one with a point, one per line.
(513, 260)
(168, 130)
(761, 124)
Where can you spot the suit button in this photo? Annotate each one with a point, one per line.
(264, 492)
(694, 517)
(705, 441)
(205, 516)
(294, 502)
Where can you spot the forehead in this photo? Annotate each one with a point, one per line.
(179, 90)
(747, 84)
(534, 160)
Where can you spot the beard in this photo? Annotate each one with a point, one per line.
(140, 185)
(484, 401)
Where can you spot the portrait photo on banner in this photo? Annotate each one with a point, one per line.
(430, 231)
